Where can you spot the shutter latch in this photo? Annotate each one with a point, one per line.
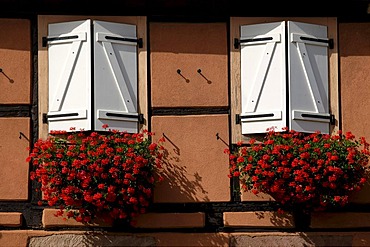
(331, 43)
(141, 118)
(44, 118)
(332, 119)
(237, 119)
(236, 43)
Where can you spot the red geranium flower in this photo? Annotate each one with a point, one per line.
(91, 174)
(316, 171)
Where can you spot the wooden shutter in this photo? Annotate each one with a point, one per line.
(69, 59)
(308, 77)
(115, 76)
(263, 77)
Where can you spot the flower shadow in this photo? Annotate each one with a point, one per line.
(181, 184)
(276, 219)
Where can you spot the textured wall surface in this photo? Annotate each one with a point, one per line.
(196, 168)
(189, 47)
(15, 54)
(354, 51)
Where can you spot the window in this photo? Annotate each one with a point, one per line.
(92, 75)
(284, 77)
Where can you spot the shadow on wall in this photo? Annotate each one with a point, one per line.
(280, 220)
(179, 184)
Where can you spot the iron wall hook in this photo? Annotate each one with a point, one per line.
(10, 79)
(179, 72)
(200, 72)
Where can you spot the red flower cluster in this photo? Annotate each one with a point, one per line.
(315, 171)
(88, 175)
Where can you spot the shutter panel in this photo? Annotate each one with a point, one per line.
(308, 77)
(115, 76)
(69, 60)
(263, 83)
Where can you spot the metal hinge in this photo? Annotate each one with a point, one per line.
(45, 40)
(237, 42)
(138, 41)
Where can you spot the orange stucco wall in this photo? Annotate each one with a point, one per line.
(355, 77)
(196, 168)
(15, 54)
(15, 82)
(189, 47)
(354, 51)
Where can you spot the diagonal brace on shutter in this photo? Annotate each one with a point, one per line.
(66, 74)
(260, 78)
(309, 75)
(121, 83)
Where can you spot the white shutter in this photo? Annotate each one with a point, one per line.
(263, 77)
(69, 59)
(308, 77)
(115, 76)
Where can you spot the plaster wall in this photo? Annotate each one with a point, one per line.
(15, 54)
(188, 47)
(354, 50)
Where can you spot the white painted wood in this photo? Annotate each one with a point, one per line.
(263, 77)
(115, 75)
(308, 77)
(261, 116)
(69, 65)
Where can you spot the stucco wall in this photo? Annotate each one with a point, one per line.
(15, 82)
(354, 85)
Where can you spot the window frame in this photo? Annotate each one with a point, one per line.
(44, 20)
(235, 73)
